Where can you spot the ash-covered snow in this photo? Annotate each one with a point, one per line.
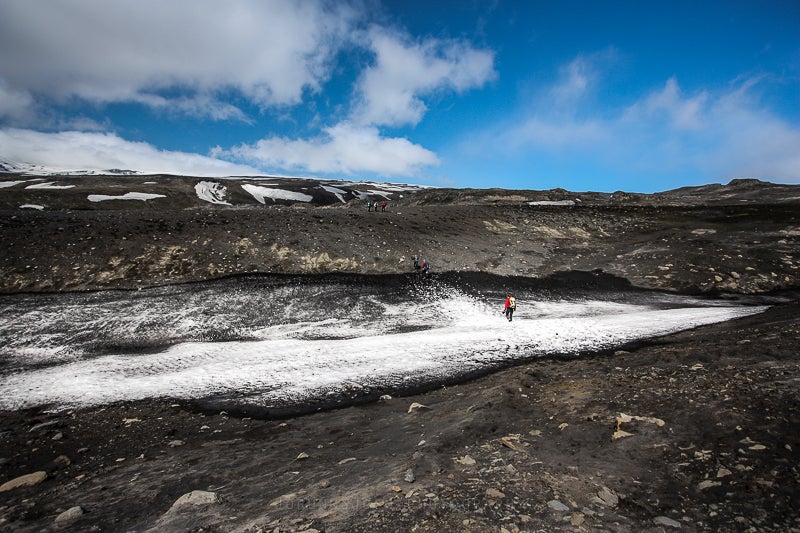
(339, 193)
(212, 192)
(260, 193)
(5, 184)
(287, 341)
(143, 196)
(50, 185)
(553, 202)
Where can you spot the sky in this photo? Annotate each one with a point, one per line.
(582, 95)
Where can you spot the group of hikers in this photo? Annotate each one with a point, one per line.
(375, 204)
(421, 267)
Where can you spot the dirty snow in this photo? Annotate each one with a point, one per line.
(321, 340)
(50, 185)
(212, 192)
(261, 193)
(143, 196)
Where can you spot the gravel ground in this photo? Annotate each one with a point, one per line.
(710, 441)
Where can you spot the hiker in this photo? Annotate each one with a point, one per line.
(425, 266)
(383, 206)
(369, 206)
(415, 258)
(510, 307)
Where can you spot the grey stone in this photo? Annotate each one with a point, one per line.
(197, 497)
(668, 522)
(70, 514)
(28, 480)
(556, 505)
(409, 476)
(608, 497)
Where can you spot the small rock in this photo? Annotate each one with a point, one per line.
(619, 434)
(301, 456)
(70, 514)
(324, 484)
(608, 498)
(723, 472)
(707, 484)
(396, 488)
(348, 460)
(556, 505)
(375, 505)
(197, 497)
(385, 398)
(62, 460)
(465, 460)
(175, 443)
(577, 519)
(44, 425)
(665, 521)
(414, 406)
(409, 476)
(494, 494)
(28, 480)
(58, 436)
(129, 421)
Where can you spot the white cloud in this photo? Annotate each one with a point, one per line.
(269, 50)
(389, 93)
(15, 105)
(74, 150)
(716, 135)
(345, 148)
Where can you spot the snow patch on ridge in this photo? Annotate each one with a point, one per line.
(212, 192)
(261, 193)
(143, 196)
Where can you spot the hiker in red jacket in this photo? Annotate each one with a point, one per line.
(510, 307)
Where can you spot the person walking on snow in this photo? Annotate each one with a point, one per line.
(510, 307)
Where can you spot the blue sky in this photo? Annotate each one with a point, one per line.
(584, 95)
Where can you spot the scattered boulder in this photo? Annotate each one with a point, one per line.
(197, 497)
(556, 505)
(415, 406)
(665, 521)
(70, 514)
(494, 494)
(607, 498)
(409, 476)
(28, 480)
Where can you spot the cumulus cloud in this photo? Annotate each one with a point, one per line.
(268, 50)
(390, 92)
(15, 105)
(200, 58)
(75, 150)
(718, 134)
(345, 148)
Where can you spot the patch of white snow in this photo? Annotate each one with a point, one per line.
(32, 206)
(260, 193)
(212, 192)
(143, 196)
(50, 185)
(5, 184)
